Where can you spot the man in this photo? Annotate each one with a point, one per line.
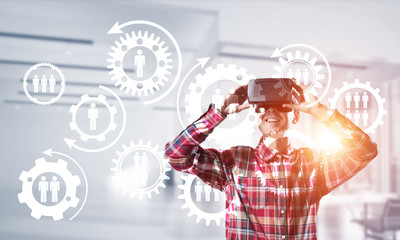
(282, 203)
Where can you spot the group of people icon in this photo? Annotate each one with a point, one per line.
(201, 188)
(302, 77)
(140, 62)
(359, 114)
(218, 100)
(140, 173)
(53, 186)
(43, 82)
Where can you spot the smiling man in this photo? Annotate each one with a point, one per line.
(274, 189)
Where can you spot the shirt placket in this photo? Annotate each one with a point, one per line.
(282, 215)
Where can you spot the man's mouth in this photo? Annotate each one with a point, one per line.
(272, 120)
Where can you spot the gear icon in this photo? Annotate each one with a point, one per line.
(193, 209)
(366, 86)
(204, 81)
(152, 43)
(71, 183)
(34, 99)
(111, 109)
(163, 163)
(304, 59)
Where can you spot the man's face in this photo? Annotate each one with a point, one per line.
(274, 123)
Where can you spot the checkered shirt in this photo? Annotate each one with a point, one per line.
(270, 195)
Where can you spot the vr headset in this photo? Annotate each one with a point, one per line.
(270, 92)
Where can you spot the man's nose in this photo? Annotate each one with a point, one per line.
(271, 109)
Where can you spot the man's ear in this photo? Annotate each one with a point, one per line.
(296, 117)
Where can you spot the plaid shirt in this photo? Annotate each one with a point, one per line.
(273, 196)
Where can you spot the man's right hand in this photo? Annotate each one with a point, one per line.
(235, 101)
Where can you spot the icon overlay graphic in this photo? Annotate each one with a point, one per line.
(44, 77)
(205, 86)
(111, 109)
(307, 65)
(144, 45)
(92, 117)
(209, 193)
(360, 102)
(60, 169)
(140, 185)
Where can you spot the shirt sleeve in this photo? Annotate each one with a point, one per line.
(334, 169)
(186, 155)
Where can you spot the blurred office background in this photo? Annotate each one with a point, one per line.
(360, 39)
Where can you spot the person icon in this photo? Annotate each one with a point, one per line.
(357, 117)
(140, 62)
(357, 99)
(198, 189)
(347, 98)
(306, 76)
(35, 82)
(93, 115)
(52, 83)
(216, 194)
(365, 118)
(365, 99)
(54, 188)
(348, 114)
(144, 175)
(297, 75)
(290, 74)
(43, 83)
(218, 98)
(43, 188)
(207, 192)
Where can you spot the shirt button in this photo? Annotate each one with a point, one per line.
(283, 237)
(282, 211)
(281, 186)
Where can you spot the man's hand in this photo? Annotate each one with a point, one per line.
(234, 101)
(308, 103)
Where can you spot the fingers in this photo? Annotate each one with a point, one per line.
(298, 91)
(243, 107)
(301, 90)
(298, 86)
(293, 106)
(241, 93)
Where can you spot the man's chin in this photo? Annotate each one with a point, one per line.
(277, 133)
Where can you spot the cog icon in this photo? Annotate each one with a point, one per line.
(357, 104)
(85, 99)
(195, 210)
(27, 195)
(303, 65)
(204, 82)
(43, 79)
(140, 182)
(136, 85)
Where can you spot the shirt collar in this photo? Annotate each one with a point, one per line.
(267, 154)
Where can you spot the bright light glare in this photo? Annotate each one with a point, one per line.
(327, 140)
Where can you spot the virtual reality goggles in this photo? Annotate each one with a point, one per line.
(264, 93)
